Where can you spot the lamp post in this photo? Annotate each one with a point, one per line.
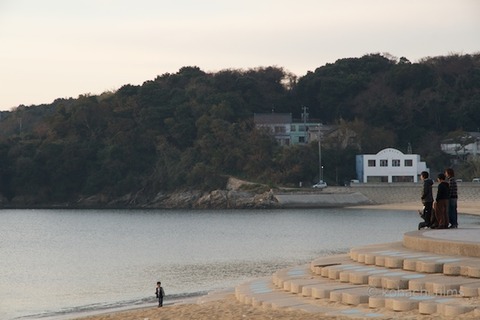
(320, 167)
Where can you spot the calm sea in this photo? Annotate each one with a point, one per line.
(59, 263)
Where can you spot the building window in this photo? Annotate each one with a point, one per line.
(384, 163)
(371, 163)
(395, 163)
(402, 178)
(293, 128)
(408, 163)
(377, 179)
(279, 129)
(301, 128)
(301, 139)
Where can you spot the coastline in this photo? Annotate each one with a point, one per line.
(464, 207)
(223, 305)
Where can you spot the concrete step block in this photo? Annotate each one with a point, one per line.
(435, 264)
(317, 264)
(355, 296)
(466, 267)
(425, 262)
(435, 304)
(456, 268)
(427, 307)
(379, 280)
(369, 258)
(280, 276)
(307, 289)
(470, 290)
(421, 284)
(473, 271)
(402, 301)
(355, 275)
(453, 310)
(322, 291)
(397, 283)
(296, 285)
(333, 272)
(376, 301)
(448, 286)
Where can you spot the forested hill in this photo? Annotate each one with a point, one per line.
(192, 129)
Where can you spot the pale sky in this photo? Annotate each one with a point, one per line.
(63, 48)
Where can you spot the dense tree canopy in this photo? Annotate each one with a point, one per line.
(192, 129)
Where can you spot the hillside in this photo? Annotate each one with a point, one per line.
(191, 130)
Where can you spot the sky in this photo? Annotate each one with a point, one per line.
(53, 49)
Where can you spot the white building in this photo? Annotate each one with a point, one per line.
(389, 165)
(455, 148)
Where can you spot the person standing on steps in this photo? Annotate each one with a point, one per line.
(441, 203)
(160, 294)
(453, 197)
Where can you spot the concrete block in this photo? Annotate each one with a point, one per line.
(447, 286)
(452, 310)
(296, 285)
(394, 262)
(451, 269)
(335, 296)
(322, 291)
(474, 271)
(355, 296)
(423, 284)
(376, 302)
(410, 264)
(430, 266)
(370, 258)
(427, 307)
(469, 290)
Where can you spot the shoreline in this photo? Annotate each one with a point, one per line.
(223, 304)
(464, 207)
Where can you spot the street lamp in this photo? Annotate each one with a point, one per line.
(320, 167)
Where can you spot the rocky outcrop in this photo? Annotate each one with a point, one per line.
(187, 199)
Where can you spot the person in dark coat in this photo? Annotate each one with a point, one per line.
(441, 203)
(427, 201)
(160, 294)
(452, 202)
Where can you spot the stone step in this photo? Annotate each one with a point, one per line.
(393, 289)
(298, 290)
(463, 241)
(399, 279)
(379, 281)
(395, 256)
(262, 293)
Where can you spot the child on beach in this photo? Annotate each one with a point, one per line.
(160, 294)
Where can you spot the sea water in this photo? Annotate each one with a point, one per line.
(64, 262)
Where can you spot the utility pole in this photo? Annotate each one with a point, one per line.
(304, 116)
(320, 168)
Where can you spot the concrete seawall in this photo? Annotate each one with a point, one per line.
(362, 194)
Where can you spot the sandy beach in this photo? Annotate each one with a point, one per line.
(225, 306)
